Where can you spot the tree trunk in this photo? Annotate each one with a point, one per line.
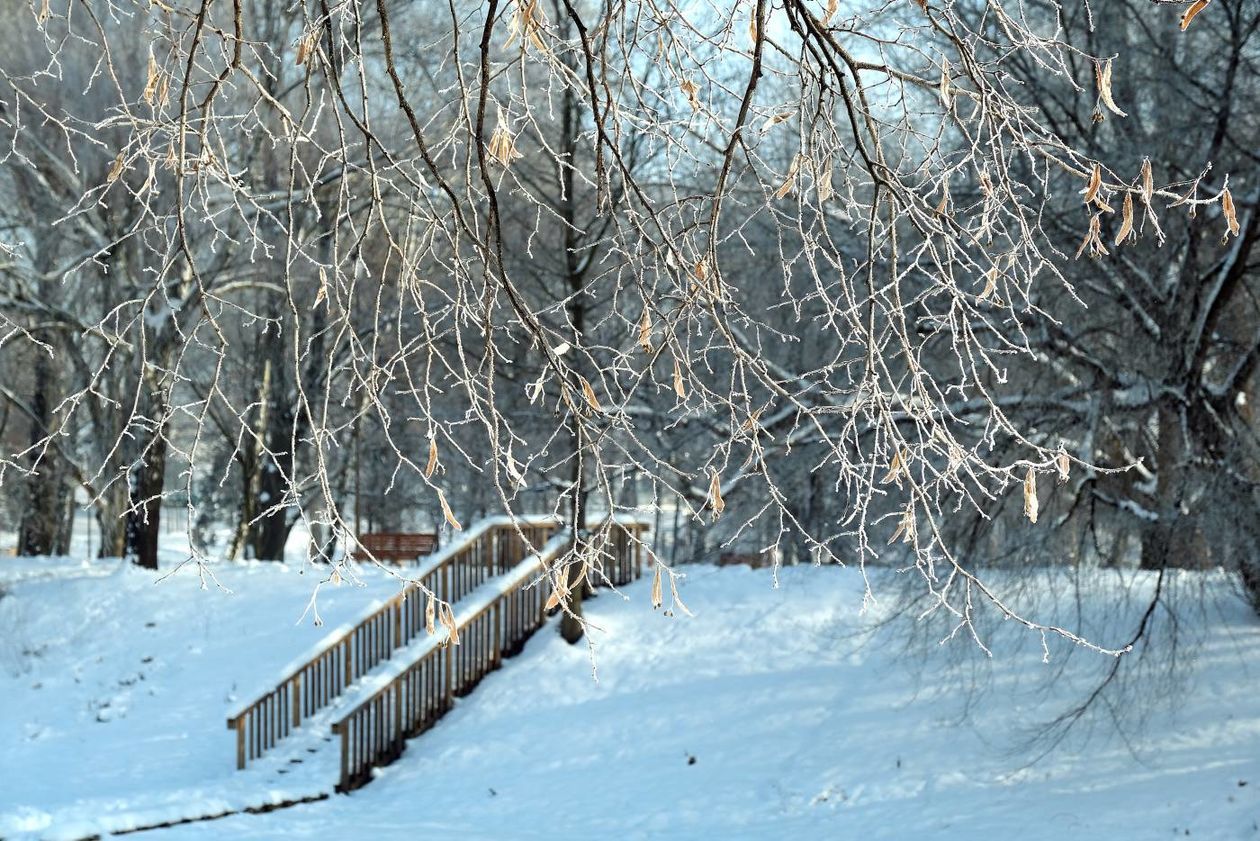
(145, 515)
(41, 530)
(1158, 537)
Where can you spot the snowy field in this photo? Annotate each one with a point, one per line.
(770, 714)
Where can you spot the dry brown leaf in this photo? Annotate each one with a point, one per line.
(895, 467)
(115, 169)
(446, 512)
(1093, 240)
(1192, 13)
(502, 147)
(673, 591)
(1231, 213)
(990, 285)
(553, 601)
(832, 6)
(1095, 182)
(790, 181)
(430, 614)
(679, 388)
(527, 20)
(907, 527)
(690, 88)
(433, 459)
(1064, 465)
(1148, 181)
(656, 588)
(946, 97)
(448, 622)
(1126, 219)
(715, 496)
(1030, 495)
(589, 393)
(775, 119)
(823, 182)
(1102, 73)
(645, 331)
(152, 81)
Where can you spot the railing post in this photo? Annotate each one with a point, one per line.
(450, 671)
(345, 756)
(497, 650)
(295, 687)
(398, 715)
(345, 655)
(398, 609)
(240, 743)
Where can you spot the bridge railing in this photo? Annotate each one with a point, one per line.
(317, 677)
(417, 690)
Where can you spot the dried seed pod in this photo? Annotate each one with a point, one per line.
(715, 496)
(790, 181)
(589, 393)
(448, 622)
(990, 284)
(1095, 182)
(1102, 73)
(645, 331)
(1126, 219)
(1231, 213)
(673, 592)
(895, 467)
(446, 511)
(690, 88)
(433, 459)
(116, 168)
(1192, 13)
(1030, 495)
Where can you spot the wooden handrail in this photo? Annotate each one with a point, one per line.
(415, 693)
(314, 680)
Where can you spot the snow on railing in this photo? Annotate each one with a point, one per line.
(418, 686)
(312, 681)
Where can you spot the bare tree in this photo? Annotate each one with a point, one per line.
(783, 228)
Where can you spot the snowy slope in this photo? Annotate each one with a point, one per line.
(115, 687)
(767, 715)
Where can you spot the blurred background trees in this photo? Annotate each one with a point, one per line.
(884, 284)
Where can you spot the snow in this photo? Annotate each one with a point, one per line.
(116, 686)
(774, 712)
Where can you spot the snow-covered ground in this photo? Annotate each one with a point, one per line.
(770, 714)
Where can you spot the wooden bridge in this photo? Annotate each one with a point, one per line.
(376, 682)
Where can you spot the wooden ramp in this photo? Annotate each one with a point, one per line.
(370, 685)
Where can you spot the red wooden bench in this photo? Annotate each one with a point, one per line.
(756, 560)
(395, 546)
